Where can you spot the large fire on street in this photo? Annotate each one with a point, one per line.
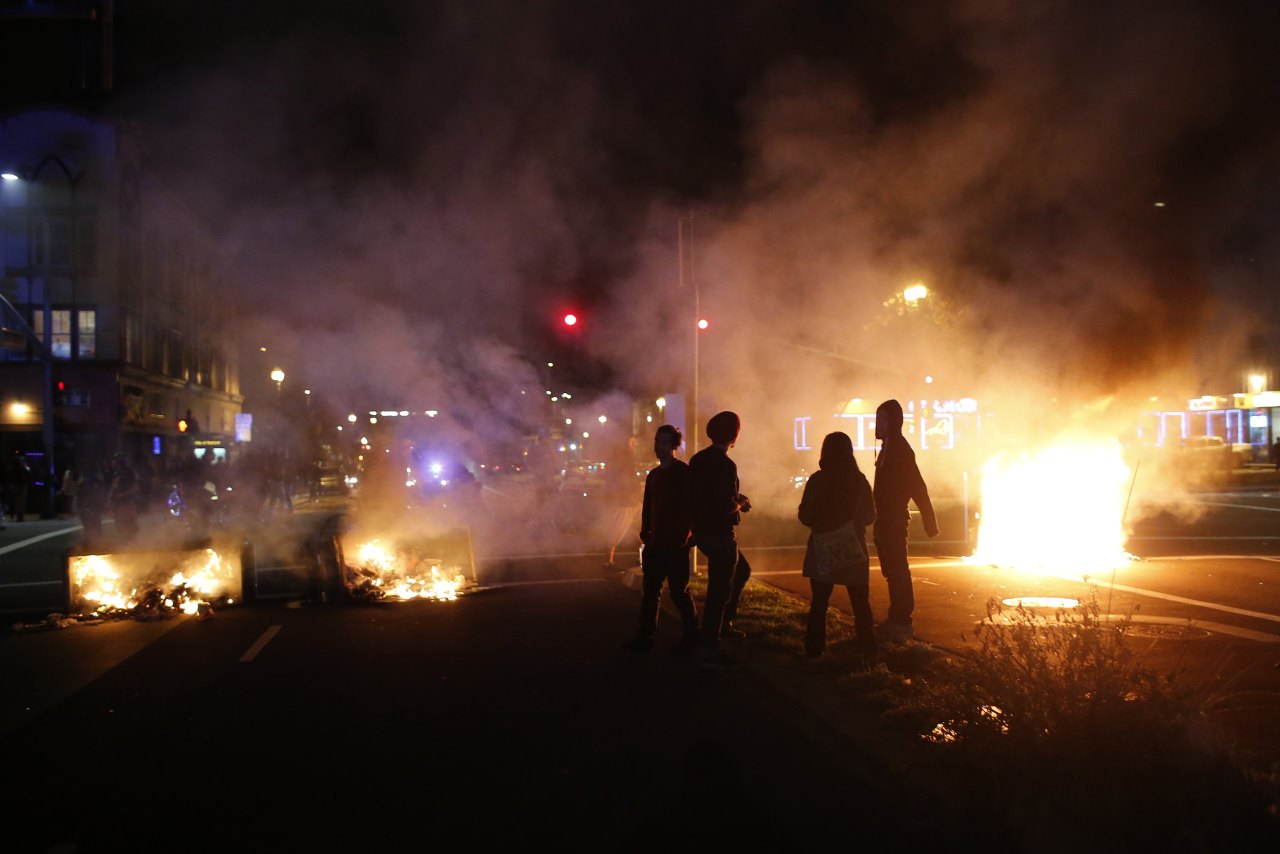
(1059, 510)
(381, 572)
(148, 585)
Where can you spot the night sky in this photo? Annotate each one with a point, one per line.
(471, 168)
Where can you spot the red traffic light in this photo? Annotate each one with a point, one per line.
(570, 319)
(62, 386)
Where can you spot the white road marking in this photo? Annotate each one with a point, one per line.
(1199, 539)
(1183, 600)
(1240, 506)
(61, 532)
(1211, 557)
(540, 556)
(252, 652)
(1156, 594)
(548, 581)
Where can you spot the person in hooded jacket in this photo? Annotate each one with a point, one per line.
(898, 481)
(833, 496)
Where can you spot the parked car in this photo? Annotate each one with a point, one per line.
(1213, 452)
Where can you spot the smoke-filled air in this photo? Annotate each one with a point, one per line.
(409, 212)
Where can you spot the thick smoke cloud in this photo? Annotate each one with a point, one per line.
(409, 191)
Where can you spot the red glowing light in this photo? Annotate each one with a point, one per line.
(570, 319)
(702, 323)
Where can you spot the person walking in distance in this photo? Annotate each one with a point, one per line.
(837, 506)
(19, 481)
(664, 530)
(898, 481)
(716, 509)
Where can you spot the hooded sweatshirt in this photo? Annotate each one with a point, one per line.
(898, 478)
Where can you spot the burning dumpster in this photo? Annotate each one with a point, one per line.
(438, 568)
(151, 585)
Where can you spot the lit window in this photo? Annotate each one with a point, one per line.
(87, 347)
(61, 340)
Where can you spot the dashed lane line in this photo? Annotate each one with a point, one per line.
(252, 652)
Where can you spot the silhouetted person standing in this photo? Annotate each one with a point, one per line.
(1275, 453)
(90, 502)
(664, 530)
(19, 483)
(124, 497)
(716, 510)
(898, 481)
(837, 500)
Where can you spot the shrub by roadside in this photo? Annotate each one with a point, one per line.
(1053, 725)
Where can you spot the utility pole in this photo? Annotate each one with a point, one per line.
(688, 278)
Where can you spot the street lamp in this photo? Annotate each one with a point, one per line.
(914, 294)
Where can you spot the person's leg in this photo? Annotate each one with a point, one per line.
(722, 558)
(677, 572)
(863, 622)
(893, 565)
(741, 573)
(815, 634)
(651, 593)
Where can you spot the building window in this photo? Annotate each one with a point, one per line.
(87, 341)
(86, 242)
(51, 242)
(60, 343)
(132, 340)
(13, 250)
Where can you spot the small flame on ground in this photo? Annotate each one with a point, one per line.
(1059, 510)
(397, 576)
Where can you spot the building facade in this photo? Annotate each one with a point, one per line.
(117, 297)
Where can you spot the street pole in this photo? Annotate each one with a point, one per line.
(47, 432)
(685, 262)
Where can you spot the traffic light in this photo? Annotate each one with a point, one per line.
(570, 319)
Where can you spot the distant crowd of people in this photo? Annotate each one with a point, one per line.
(699, 505)
(125, 489)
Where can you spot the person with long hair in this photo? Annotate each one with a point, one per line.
(837, 502)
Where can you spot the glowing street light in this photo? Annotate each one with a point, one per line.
(702, 323)
(8, 176)
(661, 403)
(351, 419)
(20, 410)
(1256, 383)
(603, 418)
(915, 293)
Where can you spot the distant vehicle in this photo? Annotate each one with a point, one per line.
(1214, 452)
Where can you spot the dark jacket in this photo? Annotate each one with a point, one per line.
(831, 500)
(713, 493)
(664, 516)
(898, 481)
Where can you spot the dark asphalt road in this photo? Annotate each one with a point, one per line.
(509, 716)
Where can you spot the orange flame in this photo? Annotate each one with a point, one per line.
(1059, 510)
(400, 578)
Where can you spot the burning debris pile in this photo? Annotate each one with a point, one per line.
(375, 571)
(150, 586)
